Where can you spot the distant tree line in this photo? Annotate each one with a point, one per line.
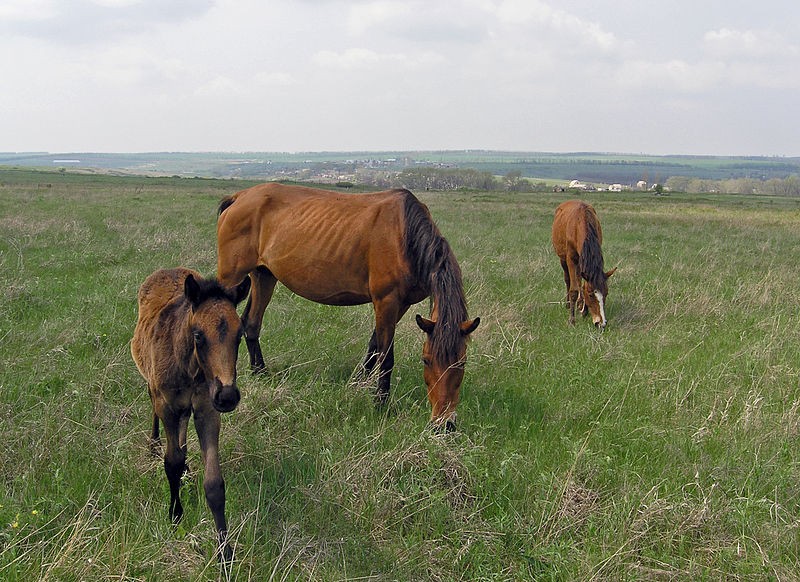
(434, 178)
(789, 186)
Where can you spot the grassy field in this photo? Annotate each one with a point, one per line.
(664, 448)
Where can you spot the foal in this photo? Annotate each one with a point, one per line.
(185, 346)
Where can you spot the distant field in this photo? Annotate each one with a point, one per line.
(586, 166)
(663, 448)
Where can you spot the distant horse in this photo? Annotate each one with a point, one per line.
(349, 249)
(185, 346)
(577, 240)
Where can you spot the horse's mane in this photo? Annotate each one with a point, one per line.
(437, 271)
(590, 262)
(213, 289)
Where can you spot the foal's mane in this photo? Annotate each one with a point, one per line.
(436, 270)
(590, 262)
(212, 289)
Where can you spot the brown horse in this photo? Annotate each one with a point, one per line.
(185, 346)
(577, 240)
(349, 249)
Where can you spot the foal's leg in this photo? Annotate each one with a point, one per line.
(262, 286)
(207, 423)
(175, 460)
(155, 436)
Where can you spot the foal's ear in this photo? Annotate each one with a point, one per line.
(425, 325)
(469, 326)
(241, 290)
(192, 290)
(611, 272)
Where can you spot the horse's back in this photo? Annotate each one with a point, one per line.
(569, 226)
(321, 244)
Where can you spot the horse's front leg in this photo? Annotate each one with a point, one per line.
(175, 460)
(207, 424)
(387, 314)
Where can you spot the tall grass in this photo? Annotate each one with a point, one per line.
(662, 448)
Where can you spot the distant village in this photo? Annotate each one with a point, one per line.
(641, 186)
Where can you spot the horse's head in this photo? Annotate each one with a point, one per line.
(444, 370)
(216, 332)
(594, 299)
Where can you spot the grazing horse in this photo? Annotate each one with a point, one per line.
(577, 240)
(349, 249)
(185, 346)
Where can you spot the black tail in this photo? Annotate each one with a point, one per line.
(224, 204)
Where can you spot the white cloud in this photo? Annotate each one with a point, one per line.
(363, 17)
(729, 43)
(358, 58)
(544, 18)
(26, 10)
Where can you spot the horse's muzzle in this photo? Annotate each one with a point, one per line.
(226, 398)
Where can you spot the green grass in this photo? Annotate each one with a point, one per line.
(663, 448)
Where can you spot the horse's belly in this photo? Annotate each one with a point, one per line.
(339, 298)
(325, 286)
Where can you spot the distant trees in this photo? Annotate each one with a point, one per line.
(438, 178)
(789, 186)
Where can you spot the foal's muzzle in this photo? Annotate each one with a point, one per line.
(226, 398)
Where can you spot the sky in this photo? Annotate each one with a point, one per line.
(706, 77)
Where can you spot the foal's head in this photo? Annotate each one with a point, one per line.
(216, 332)
(594, 299)
(444, 369)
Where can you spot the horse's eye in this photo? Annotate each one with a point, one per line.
(199, 337)
(426, 361)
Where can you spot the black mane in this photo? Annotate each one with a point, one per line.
(590, 262)
(438, 273)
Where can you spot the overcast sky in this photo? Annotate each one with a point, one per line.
(632, 76)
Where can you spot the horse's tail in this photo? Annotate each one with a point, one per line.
(225, 203)
(590, 261)
(436, 270)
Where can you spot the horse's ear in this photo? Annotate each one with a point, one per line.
(469, 326)
(611, 272)
(241, 291)
(425, 325)
(192, 290)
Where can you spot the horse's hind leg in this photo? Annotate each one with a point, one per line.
(261, 289)
(372, 354)
(566, 280)
(573, 288)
